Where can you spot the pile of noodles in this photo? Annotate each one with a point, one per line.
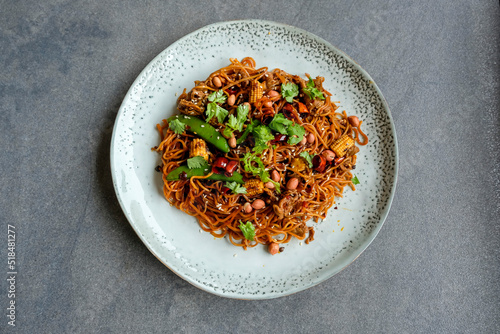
(285, 214)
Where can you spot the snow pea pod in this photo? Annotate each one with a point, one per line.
(203, 130)
(174, 175)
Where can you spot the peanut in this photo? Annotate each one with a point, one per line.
(292, 183)
(258, 204)
(354, 121)
(275, 176)
(311, 138)
(232, 141)
(231, 100)
(274, 248)
(217, 82)
(247, 207)
(269, 185)
(329, 155)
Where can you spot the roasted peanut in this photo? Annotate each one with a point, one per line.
(274, 248)
(232, 141)
(354, 121)
(269, 185)
(292, 183)
(258, 204)
(275, 176)
(273, 93)
(329, 155)
(217, 82)
(311, 138)
(247, 207)
(231, 99)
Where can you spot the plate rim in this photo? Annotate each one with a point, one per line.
(291, 291)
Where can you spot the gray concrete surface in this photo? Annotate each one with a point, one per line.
(65, 67)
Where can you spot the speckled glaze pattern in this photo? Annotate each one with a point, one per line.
(175, 237)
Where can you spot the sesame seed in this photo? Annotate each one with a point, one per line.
(202, 126)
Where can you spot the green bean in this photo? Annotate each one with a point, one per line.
(203, 130)
(174, 175)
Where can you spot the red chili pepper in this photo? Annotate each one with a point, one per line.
(319, 163)
(232, 90)
(302, 108)
(225, 189)
(278, 138)
(219, 167)
(231, 167)
(288, 111)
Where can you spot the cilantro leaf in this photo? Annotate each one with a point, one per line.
(249, 161)
(236, 122)
(312, 91)
(355, 180)
(248, 230)
(196, 162)
(289, 91)
(217, 97)
(236, 188)
(213, 109)
(233, 122)
(242, 113)
(307, 157)
(262, 134)
(177, 126)
(296, 133)
(280, 124)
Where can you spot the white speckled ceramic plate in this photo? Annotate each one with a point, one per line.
(174, 237)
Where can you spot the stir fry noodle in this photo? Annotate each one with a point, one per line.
(256, 153)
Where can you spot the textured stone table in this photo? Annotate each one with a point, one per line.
(65, 67)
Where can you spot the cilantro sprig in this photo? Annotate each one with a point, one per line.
(313, 92)
(236, 122)
(177, 126)
(248, 230)
(253, 164)
(280, 124)
(196, 162)
(213, 109)
(355, 180)
(296, 133)
(236, 188)
(262, 134)
(289, 91)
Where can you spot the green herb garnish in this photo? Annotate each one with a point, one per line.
(249, 165)
(236, 122)
(236, 188)
(217, 97)
(196, 162)
(355, 180)
(213, 109)
(289, 91)
(177, 126)
(296, 133)
(312, 91)
(280, 124)
(248, 230)
(308, 157)
(262, 134)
